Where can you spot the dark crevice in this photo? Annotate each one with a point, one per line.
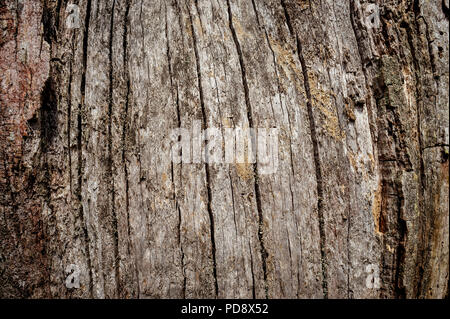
(264, 253)
(207, 169)
(256, 13)
(174, 198)
(287, 17)
(49, 22)
(445, 10)
(49, 128)
(232, 202)
(81, 107)
(58, 13)
(399, 287)
(320, 194)
(110, 160)
(48, 120)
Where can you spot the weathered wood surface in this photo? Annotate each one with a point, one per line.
(358, 91)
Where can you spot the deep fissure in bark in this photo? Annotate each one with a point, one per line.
(264, 253)
(318, 169)
(207, 168)
(81, 108)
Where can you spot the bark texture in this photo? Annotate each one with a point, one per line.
(358, 90)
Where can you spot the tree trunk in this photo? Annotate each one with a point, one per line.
(91, 91)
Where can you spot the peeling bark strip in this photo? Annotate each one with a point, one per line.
(91, 91)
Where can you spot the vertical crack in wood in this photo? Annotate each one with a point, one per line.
(315, 144)
(291, 157)
(81, 108)
(287, 17)
(110, 154)
(264, 254)
(208, 179)
(125, 129)
(178, 117)
(399, 287)
(256, 13)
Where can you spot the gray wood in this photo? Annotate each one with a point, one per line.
(357, 90)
